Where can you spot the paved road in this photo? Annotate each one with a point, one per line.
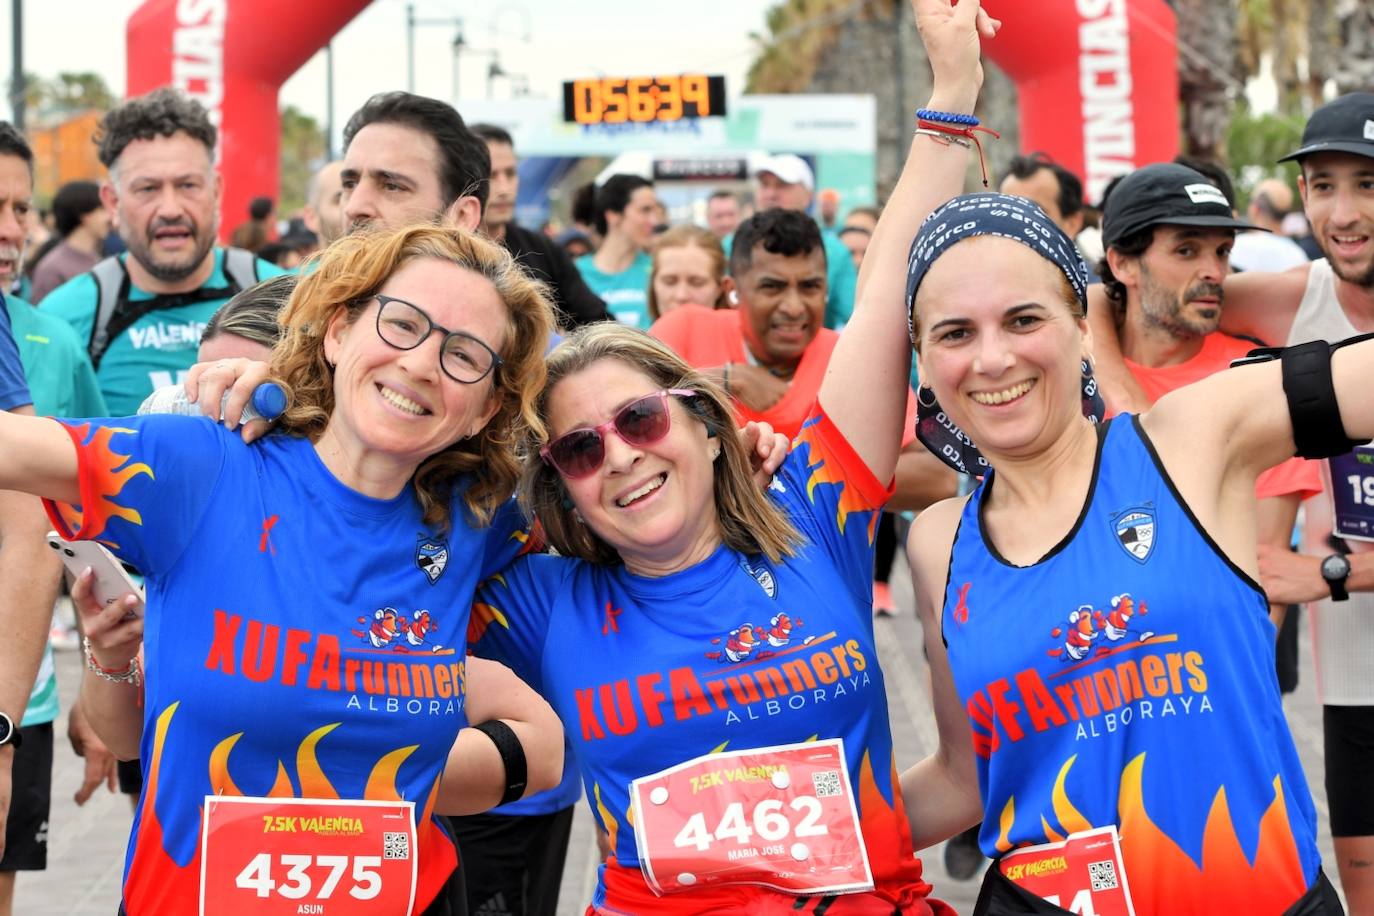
(87, 844)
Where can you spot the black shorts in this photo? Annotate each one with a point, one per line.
(26, 832)
(1349, 741)
(513, 864)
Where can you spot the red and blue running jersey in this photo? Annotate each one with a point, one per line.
(735, 652)
(302, 639)
(1127, 678)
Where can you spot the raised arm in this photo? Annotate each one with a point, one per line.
(1215, 436)
(866, 383)
(1242, 414)
(39, 459)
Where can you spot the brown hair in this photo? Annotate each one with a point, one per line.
(348, 274)
(688, 236)
(749, 521)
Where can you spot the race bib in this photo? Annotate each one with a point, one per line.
(306, 855)
(1352, 494)
(1082, 874)
(782, 817)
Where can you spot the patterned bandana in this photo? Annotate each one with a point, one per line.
(1010, 218)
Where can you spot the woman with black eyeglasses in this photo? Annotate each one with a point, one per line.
(307, 594)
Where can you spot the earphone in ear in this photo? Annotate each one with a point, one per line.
(733, 297)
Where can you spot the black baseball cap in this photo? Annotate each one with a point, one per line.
(1345, 125)
(1165, 193)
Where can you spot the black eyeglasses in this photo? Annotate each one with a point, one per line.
(463, 358)
(580, 452)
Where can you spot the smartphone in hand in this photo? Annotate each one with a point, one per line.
(112, 578)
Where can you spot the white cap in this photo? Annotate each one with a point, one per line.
(789, 169)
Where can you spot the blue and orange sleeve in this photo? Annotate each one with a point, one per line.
(510, 615)
(833, 496)
(145, 483)
(509, 536)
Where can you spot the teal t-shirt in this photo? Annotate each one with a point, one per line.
(626, 294)
(840, 278)
(157, 349)
(62, 384)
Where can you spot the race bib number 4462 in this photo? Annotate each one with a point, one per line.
(783, 817)
(304, 855)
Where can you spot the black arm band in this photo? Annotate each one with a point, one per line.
(1317, 428)
(512, 756)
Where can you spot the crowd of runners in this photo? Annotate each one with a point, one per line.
(604, 515)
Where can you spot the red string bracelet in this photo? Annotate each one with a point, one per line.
(965, 131)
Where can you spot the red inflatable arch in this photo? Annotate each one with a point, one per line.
(233, 56)
(1097, 81)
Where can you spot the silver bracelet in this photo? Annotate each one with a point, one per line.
(130, 675)
(941, 137)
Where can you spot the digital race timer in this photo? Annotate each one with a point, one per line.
(620, 100)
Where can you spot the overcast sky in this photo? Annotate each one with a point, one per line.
(566, 40)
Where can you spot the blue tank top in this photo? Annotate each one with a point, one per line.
(1127, 678)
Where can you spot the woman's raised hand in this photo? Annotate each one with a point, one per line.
(206, 384)
(952, 33)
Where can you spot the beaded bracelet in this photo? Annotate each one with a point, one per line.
(948, 117)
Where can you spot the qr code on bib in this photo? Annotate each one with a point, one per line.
(395, 845)
(1103, 875)
(827, 783)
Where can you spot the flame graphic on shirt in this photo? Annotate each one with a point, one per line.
(887, 837)
(826, 469)
(608, 821)
(1165, 879)
(157, 883)
(483, 616)
(104, 473)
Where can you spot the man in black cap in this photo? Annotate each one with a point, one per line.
(1168, 233)
(1328, 299)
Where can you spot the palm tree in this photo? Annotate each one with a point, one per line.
(1209, 75)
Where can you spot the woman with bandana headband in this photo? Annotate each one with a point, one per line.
(1091, 613)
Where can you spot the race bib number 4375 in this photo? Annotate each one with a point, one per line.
(783, 817)
(305, 855)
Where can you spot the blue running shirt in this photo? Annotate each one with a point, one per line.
(302, 639)
(1128, 678)
(732, 653)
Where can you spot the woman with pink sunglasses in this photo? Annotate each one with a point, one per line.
(708, 646)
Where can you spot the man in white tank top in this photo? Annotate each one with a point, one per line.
(1328, 299)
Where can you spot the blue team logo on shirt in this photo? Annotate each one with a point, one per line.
(1135, 531)
(431, 555)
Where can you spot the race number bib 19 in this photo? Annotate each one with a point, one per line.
(1352, 494)
(1082, 874)
(306, 855)
(783, 817)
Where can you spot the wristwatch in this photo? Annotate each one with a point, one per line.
(9, 734)
(1335, 570)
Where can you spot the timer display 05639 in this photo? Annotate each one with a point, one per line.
(643, 99)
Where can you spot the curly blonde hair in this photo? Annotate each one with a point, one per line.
(749, 521)
(347, 275)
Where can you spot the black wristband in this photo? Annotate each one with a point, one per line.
(1312, 406)
(512, 756)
